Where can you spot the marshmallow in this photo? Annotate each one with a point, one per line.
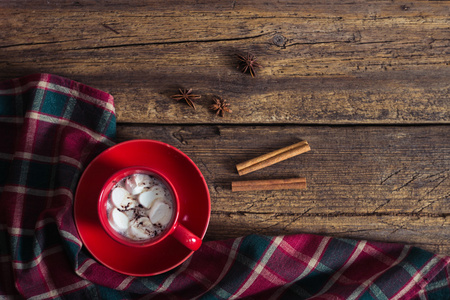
(119, 219)
(122, 199)
(136, 183)
(141, 229)
(147, 197)
(161, 213)
(118, 194)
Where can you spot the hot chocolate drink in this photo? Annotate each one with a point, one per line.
(140, 207)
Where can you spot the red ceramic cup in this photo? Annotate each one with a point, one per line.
(174, 228)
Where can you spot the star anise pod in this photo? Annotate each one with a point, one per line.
(187, 96)
(248, 63)
(220, 106)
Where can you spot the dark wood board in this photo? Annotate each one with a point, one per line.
(388, 183)
(367, 83)
(324, 62)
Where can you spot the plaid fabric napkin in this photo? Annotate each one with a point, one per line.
(52, 127)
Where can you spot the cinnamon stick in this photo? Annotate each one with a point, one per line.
(272, 158)
(269, 184)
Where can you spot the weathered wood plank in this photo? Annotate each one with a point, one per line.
(318, 7)
(368, 62)
(382, 182)
(324, 62)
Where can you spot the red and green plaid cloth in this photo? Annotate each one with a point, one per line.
(52, 127)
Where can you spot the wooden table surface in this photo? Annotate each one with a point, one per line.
(366, 83)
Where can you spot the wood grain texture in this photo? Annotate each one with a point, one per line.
(324, 62)
(380, 65)
(384, 183)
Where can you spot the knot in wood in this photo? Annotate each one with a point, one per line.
(279, 40)
(404, 7)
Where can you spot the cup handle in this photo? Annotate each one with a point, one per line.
(187, 238)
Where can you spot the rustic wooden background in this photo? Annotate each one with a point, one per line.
(366, 83)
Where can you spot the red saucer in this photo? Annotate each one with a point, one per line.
(186, 179)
